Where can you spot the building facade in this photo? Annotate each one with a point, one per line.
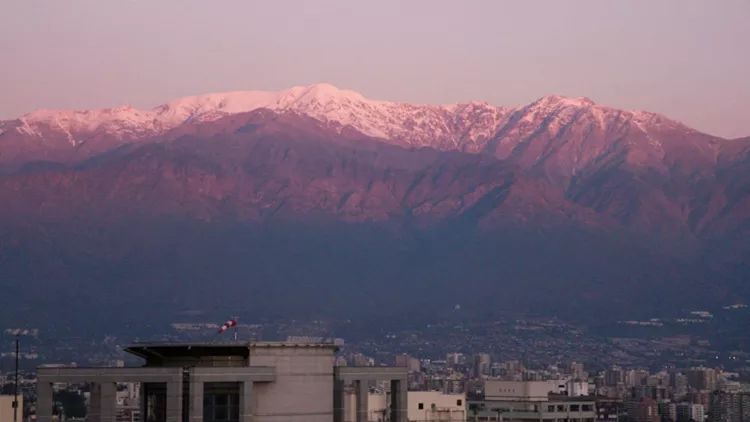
(7, 410)
(529, 401)
(231, 382)
(422, 406)
(729, 407)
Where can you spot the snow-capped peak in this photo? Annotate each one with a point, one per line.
(467, 126)
(562, 101)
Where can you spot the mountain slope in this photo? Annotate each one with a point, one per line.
(602, 211)
(282, 215)
(644, 170)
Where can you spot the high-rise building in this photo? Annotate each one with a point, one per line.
(702, 378)
(643, 410)
(667, 410)
(577, 371)
(690, 412)
(729, 407)
(679, 385)
(636, 377)
(614, 376)
(482, 364)
(410, 362)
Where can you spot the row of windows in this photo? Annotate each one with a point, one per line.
(420, 406)
(573, 408)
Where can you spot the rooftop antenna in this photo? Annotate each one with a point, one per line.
(235, 327)
(15, 386)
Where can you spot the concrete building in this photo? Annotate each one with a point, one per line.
(6, 408)
(435, 406)
(690, 412)
(231, 382)
(701, 378)
(410, 362)
(643, 410)
(481, 365)
(729, 407)
(577, 372)
(377, 407)
(423, 406)
(530, 400)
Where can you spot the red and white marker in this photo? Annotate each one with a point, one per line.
(227, 325)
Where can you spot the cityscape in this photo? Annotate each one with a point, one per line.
(508, 369)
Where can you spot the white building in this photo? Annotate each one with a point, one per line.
(690, 411)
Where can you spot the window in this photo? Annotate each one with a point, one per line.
(551, 408)
(459, 402)
(221, 407)
(420, 406)
(560, 407)
(586, 407)
(575, 407)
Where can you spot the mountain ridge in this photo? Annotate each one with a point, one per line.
(561, 196)
(465, 126)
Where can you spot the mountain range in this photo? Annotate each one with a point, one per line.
(316, 200)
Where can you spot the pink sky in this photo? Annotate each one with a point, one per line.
(687, 59)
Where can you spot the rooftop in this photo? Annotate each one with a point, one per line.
(215, 348)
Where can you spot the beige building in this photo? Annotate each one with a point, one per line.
(6, 408)
(230, 382)
(423, 406)
(519, 390)
(536, 401)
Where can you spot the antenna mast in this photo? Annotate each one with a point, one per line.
(15, 386)
(235, 328)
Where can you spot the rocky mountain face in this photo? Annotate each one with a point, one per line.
(321, 191)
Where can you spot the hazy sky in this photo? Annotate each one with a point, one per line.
(688, 59)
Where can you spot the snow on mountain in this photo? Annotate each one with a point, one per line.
(446, 126)
(557, 134)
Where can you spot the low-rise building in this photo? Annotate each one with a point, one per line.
(519, 401)
(422, 406)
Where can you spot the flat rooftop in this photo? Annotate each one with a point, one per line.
(213, 348)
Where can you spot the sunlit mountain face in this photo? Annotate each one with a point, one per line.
(318, 201)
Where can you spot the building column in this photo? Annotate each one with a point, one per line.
(143, 400)
(43, 401)
(399, 401)
(174, 400)
(246, 401)
(94, 411)
(362, 391)
(196, 399)
(338, 400)
(108, 402)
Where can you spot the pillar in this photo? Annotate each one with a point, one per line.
(338, 400)
(174, 400)
(108, 402)
(361, 391)
(143, 400)
(246, 401)
(43, 401)
(94, 411)
(399, 401)
(196, 399)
